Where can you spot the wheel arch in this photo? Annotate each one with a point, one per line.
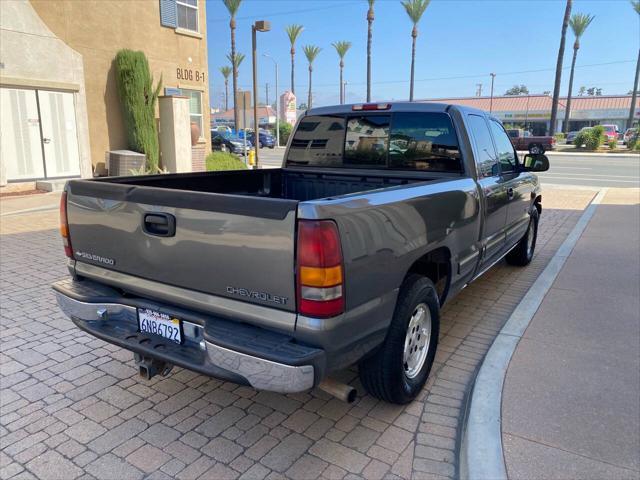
(436, 266)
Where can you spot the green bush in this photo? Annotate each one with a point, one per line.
(633, 143)
(559, 136)
(285, 131)
(216, 161)
(591, 138)
(138, 98)
(613, 144)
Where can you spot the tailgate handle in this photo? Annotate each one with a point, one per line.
(159, 224)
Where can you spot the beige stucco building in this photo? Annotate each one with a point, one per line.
(61, 112)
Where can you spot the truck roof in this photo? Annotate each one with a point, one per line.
(395, 106)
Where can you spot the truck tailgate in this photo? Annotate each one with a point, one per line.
(225, 245)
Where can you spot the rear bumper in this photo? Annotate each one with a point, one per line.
(215, 347)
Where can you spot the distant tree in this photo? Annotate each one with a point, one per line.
(370, 18)
(547, 92)
(341, 48)
(634, 93)
(579, 23)
(517, 90)
(302, 106)
(556, 86)
(415, 9)
(138, 97)
(311, 52)
(226, 71)
(232, 7)
(594, 92)
(582, 91)
(293, 32)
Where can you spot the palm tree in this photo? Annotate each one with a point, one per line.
(415, 9)
(293, 32)
(370, 19)
(311, 52)
(634, 94)
(556, 86)
(342, 48)
(232, 7)
(235, 64)
(226, 71)
(579, 23)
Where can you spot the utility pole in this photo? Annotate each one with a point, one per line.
(277, 100)
(478, 90)
(266, 86)
(258, 26)
(493, 76)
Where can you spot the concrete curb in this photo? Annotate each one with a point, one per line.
(588, 154)
(481, 455)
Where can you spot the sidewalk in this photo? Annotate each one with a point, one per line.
(571, 396)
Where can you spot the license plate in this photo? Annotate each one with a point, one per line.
(161, 324)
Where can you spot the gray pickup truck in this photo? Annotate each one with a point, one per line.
(275, 278)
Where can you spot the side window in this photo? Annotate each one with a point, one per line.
(506, 152)
(486, 158)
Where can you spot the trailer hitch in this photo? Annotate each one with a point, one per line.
(149, 367)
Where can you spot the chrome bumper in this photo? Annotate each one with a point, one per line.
(260, 373)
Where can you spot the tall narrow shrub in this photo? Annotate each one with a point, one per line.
(138, 98)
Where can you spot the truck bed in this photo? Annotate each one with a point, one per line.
(289, 184)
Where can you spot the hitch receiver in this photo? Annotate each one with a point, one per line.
(149, 367)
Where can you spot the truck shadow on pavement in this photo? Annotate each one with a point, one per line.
(72, 404)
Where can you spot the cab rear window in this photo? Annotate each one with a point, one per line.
(401, 141)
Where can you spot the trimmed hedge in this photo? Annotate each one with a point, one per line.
(217, 161)
(138, 99)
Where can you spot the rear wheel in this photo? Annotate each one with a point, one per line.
(522, 254)
(399, 369)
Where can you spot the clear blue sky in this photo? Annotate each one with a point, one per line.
(456, 38)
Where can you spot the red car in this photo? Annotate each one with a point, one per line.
(611, 132)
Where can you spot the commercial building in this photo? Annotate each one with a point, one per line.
(60, 108)
(533, 112)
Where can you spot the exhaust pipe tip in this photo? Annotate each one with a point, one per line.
(340, 390)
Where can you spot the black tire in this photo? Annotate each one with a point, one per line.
(384, 374)
(523, 252)
(536, 149)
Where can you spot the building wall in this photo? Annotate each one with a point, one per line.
(34, 57)
(98, 29)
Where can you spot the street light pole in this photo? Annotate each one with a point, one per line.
(277, 99)
(493, 76)
(258, 26)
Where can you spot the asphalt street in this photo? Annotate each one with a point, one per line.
(606, 170)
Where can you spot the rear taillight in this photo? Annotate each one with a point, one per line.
(64, 226)
(320, 273)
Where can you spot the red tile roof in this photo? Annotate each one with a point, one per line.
(539, 102)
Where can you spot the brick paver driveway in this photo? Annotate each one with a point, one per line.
(72, 406)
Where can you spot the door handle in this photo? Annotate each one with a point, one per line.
(46, 140)
(159, 224)
(510, 193)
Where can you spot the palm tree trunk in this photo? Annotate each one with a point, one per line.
(341, 91)
(309, 97)
(369, 41)
(234, 66)
(226, 95)
(556, 87)
(293, 64)
(567, 110)
(414, 34)
(634, 95)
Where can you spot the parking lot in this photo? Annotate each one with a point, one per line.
(73, 406)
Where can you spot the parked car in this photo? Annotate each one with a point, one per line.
(611, 132)
(571, 136)
(629, 134)
(275, 278)
(265, 139)
(230, 143)
(524, 140)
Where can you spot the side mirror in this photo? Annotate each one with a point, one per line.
(536, 163)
